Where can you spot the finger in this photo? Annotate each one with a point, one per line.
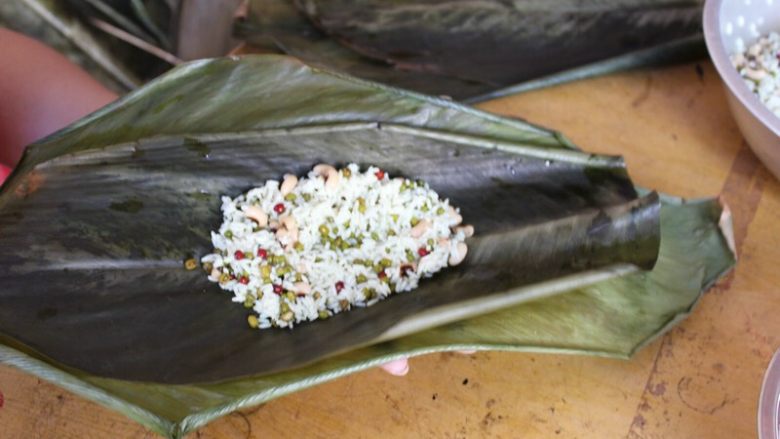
(42, 91)
(4, 172)
(396, 367)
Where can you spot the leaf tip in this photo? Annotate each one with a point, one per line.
(726, 226)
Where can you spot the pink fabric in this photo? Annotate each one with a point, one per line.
(4, 171)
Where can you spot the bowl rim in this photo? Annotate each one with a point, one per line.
(769, 400)
(730, 76)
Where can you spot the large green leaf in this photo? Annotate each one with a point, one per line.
(212, 101)
(230, 95)
(109, 271)
(466, 49)
(501, 42)
(277, 25)
(610, 318)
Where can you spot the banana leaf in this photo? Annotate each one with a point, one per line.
(210, 107)
(467, 49)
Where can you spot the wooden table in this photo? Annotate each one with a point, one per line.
(699, 381)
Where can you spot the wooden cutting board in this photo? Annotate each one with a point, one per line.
(701, 380)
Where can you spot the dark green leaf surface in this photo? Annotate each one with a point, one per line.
(470, 49)
(109, 271)
(609, 318)
(261, 92)
(277, 25)
(501, 42)
(209, 107)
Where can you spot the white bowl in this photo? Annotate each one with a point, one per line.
(728, 26)
(769, 401)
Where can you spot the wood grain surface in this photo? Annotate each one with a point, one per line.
(701, 380)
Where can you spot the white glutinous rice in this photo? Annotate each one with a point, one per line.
(306, 249)
(759, 66)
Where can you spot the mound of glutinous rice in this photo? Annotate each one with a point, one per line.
(307, 249)
(759, 65)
